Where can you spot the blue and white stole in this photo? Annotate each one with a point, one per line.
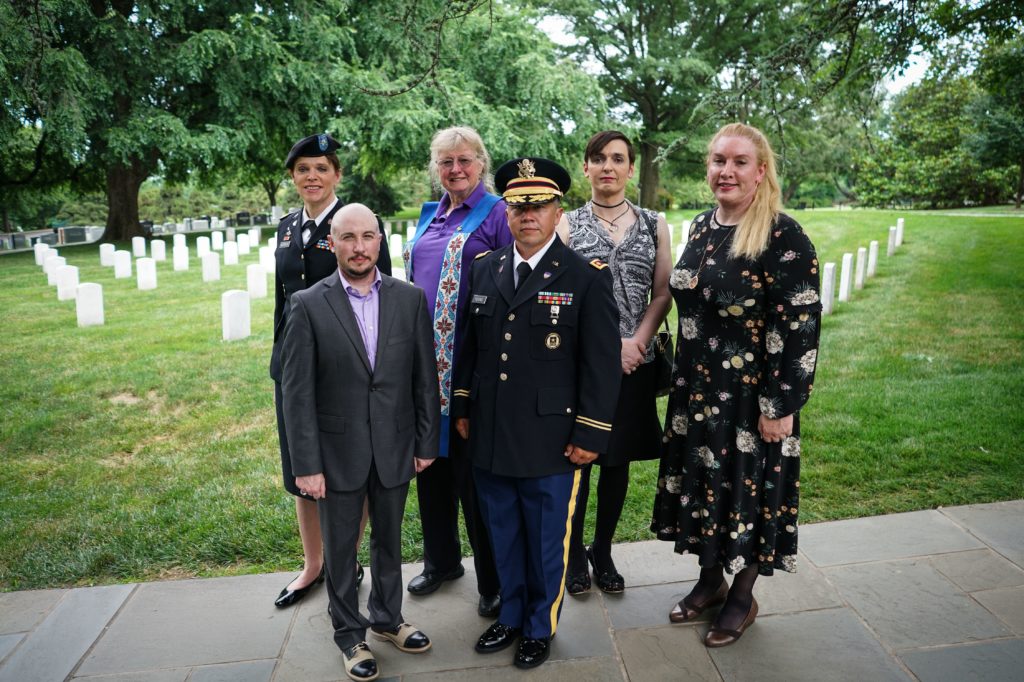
(447, 302)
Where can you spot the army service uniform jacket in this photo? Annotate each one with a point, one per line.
(540, 368)
(299, 267)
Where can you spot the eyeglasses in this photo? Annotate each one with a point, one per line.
(462, 162)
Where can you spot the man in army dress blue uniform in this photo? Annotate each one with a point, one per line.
(536, 390)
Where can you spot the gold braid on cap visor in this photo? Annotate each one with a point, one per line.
(535, 190)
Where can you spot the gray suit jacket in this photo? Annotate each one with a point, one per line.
(339, 415)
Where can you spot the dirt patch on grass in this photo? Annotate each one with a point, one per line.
(124, 398)
(117, 460)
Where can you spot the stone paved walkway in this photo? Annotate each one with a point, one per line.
(928, 595)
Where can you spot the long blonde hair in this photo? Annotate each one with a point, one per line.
(755, 226)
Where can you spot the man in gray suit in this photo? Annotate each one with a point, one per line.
(362, 416)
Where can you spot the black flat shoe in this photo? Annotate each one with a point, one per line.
(489, 607)
(577, 583)
(532, 652)
(496, 638)
(609, 579)
(289, 597)
(359, 574)
(429, 581)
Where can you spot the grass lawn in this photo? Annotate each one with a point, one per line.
(146, 448)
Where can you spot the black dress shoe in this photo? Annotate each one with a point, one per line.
(429, 581)
(289, 597)
(497, 637)
(532, 652)
(489, 607)
(608, 578)
(360, 663)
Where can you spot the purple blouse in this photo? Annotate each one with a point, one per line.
(428, 252)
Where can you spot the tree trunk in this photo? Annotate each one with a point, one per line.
(787, 194)
(123, 182)
(7, 216)
(271, 187)
(1020, 184)
(650, 175)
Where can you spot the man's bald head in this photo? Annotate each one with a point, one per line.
(356, 241)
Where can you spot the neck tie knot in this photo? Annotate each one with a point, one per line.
(523, 271)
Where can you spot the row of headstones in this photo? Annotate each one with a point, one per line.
(855, 275)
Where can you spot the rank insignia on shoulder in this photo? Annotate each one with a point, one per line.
(598, 263)
(481, 255)
(479, 298)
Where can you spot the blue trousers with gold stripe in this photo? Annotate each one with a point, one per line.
(529, 521)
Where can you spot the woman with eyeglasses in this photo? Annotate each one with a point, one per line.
(468, 221)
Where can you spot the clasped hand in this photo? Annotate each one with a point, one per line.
(775, 430)
(633, 353)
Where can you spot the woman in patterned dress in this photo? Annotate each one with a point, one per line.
(636, 245)
(746, 288)
(468, 221)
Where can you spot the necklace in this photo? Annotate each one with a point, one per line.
(609, 205)
(706, 258)
(612, 227)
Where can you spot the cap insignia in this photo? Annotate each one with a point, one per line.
(321, 140)
(527, 169)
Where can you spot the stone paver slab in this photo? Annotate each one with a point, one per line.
(653, 562)
(247, 671)
(165, 675)
(54, 647)
(666, 653)
(882, 538)
(589, 669)
(1002, 660)
(980, 569)
(194, 622)
(828, 645)
(22, 611)
(998, 524)
(909, 604)
(7, 644)
(1007, 603)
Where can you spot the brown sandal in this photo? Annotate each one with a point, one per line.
(718, 637)
(686, 611)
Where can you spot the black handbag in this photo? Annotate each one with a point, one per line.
(663, 348)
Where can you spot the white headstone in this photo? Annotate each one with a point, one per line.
(217, 241)
(256, 281)
(410, 232)
(107, 255)
(395, 244)
(40, 251)
(254, 236)
(267, 259)
(243, 244)
(276, 213)
(272, 242)
(200, 225)
(661, 214)
(122, 264)
(180, 240)
(89, 304)
(231, 234)
(52, 265)
(899, 232)
(158, 249)
(67, 282)
(50, 255)
(398, 273)
(828, 288)
(845, 277)
(180, 254)
(235, 316)
(892, 242)
(862, 262)
(145, 273)
(203, 245)
(872, 258)
(211, 267)
(139, 247)
(679, 251)
(230, 253)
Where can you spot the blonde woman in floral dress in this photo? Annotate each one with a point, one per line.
(746, 288)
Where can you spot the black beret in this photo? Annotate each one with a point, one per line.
(531, 180)
(314, 145)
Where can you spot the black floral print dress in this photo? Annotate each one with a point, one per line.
(746, 345)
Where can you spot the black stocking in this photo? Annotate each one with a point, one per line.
(741, 595)
(707, 584)
(611, 495)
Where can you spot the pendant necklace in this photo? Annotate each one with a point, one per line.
(692, 284)
(612, 227)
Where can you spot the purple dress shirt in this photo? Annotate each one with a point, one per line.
(428, 253)
(367, 311)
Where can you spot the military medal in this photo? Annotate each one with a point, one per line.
(553, 341)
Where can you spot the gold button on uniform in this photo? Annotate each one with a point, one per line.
(511, 316)
(508, 336)
(504, 356)
(503, 376)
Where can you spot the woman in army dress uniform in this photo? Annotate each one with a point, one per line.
(303, 257)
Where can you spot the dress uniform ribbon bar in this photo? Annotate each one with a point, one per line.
(554, 298)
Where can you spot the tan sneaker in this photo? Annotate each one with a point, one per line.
(406, 637)
(360, 665)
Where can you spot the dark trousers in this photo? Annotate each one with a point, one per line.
(529, 521)
(440, 489)
(340, 513)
